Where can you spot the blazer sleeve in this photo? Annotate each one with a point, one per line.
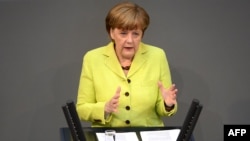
(165, 78)
(87, 107)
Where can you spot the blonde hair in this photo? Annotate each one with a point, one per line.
(127, 16)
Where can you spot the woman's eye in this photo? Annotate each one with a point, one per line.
(136, 34)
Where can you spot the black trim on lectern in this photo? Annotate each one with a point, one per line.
(73, 121)
(190, 121)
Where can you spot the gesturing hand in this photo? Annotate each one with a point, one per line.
(169, 95)
(112, 104)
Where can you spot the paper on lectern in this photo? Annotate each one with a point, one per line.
(125, 136)
(161, 135)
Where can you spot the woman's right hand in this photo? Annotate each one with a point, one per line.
(112, 105)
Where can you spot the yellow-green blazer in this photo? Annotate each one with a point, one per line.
(140, 102)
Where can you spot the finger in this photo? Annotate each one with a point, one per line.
(118, 90)
(173, 91)
(117, 93)
(115, 99)
(176, 90)
(115, 102)
(174, 96)
(115, 107)
(172, 87)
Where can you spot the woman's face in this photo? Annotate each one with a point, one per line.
(126, 42)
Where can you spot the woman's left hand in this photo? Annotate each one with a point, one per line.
(169, 95)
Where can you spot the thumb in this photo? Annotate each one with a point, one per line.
(161, 88)
(118, 90)
(160, 85)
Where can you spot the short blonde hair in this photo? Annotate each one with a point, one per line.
(127, 16)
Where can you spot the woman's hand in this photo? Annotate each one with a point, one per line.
(112, 105)
(169, 95)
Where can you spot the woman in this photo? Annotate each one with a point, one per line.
(126, 82)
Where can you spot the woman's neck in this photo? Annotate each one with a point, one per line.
(125, 62)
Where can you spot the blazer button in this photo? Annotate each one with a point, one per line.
(128, 80)
(127, 122)
(127, 94)
(127, 108)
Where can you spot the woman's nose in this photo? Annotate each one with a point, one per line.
(129, 38)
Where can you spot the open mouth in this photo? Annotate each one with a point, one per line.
(128, 48)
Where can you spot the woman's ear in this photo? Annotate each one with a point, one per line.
(111, 33)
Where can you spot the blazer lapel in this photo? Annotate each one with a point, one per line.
(138, 60)
(111, 61)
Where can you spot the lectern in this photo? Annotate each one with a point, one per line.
(185, 134)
